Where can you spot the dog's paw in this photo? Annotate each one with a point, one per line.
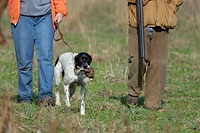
(58, 103)
(82, 113)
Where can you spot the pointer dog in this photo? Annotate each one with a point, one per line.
(76, 71)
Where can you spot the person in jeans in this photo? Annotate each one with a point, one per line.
(33, 24)
(159, 17)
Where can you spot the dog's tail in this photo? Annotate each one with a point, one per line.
(57, 60)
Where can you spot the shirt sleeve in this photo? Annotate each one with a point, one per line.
(60, 6)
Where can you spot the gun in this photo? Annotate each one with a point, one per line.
(141, 41)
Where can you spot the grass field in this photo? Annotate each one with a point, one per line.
(100, 28)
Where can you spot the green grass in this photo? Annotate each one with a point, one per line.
(106, 111)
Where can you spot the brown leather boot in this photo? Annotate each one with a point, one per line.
(47, 101)
(132, 100)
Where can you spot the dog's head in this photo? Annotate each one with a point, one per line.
(83, 60)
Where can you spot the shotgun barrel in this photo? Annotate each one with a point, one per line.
(141, 28)
(141, 41)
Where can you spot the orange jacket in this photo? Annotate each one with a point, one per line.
(56, 5)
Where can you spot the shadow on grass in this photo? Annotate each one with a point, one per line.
(16, 99)
(123, 100)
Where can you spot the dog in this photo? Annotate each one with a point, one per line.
(76, 70)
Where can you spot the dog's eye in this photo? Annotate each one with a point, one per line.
(85, 59)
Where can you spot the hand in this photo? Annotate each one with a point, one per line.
(58, 18)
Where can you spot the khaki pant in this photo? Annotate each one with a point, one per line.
(156, 53)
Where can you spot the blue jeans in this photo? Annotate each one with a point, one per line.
(30, 32)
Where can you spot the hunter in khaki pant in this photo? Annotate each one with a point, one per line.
(159, 17)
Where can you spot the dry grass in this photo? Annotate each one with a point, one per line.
(7, 124)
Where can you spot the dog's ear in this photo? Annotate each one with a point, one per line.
(90, 59)
(77, 61)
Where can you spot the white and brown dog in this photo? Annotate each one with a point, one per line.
(76, 70)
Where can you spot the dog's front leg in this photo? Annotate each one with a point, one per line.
(58, 77)
(57, 96)
(67, 98)
(83, 93)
